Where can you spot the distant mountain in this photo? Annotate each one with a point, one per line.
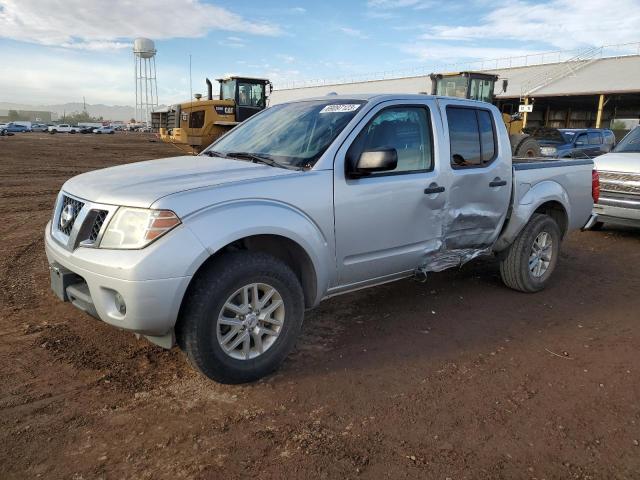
(108, 112)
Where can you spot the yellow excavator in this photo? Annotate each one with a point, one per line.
(480, 86)
(192, 126)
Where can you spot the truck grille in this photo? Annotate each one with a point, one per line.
(620, 182)
(68, 214)
(101, 215)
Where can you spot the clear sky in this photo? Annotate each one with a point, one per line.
(56, 51)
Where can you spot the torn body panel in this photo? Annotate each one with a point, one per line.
(438, 261)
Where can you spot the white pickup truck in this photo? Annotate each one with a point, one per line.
(63, 128)
(619, 171)
(222, 252)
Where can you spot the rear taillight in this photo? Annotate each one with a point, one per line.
(595, 186)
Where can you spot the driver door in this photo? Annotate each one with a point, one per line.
(386, 222)
(250, 100)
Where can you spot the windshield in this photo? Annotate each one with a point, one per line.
(568, 135)
(630, 143)
(293, 134)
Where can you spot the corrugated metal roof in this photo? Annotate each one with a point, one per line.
(605, 75)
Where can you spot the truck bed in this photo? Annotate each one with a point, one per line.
(548, 178)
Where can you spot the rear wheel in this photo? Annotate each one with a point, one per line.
(533, 256)
(241, 317)
(54, 131)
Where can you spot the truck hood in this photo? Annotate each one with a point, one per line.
(143, 183)
(618, 162)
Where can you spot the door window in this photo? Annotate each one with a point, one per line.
(581, 139)
(251, 94)
(472, 136)
(481, 90)
(595, 138)
(407, 130)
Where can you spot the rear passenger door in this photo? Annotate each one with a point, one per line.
(480, 175)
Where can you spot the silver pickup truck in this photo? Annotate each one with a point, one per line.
(222, 252)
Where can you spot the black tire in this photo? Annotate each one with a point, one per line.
(528, 147)
(514, 267)
(53, 131)
(196, 329)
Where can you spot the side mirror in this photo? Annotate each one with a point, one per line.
(371, 161)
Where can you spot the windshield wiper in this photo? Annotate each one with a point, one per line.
(257, 158)
(213, 153)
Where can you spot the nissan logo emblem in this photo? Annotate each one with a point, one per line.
(67, 215)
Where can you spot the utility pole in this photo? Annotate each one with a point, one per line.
(190, 84)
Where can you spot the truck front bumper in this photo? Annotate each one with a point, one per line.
(148, 306)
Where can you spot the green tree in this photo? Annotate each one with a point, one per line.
(81, 117)
(618, 125)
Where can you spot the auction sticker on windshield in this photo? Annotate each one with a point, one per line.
(340, 108)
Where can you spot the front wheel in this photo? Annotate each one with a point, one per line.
(241, 317)
(533, 256)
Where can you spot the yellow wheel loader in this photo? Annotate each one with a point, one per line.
(192, 126)
(480, 86)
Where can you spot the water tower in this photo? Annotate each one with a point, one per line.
(144, 56)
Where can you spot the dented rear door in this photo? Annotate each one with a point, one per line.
(479, 174)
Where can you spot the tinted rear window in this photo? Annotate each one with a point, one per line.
(472, 136)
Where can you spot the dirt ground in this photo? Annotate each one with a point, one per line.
(455, 378)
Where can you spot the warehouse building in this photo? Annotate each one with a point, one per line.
(27, 115)
(587, 90)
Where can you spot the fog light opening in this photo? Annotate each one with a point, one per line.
(121, 306)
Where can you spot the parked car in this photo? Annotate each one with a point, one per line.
(222, 252)
(39, 127)
(574, 143)
(86, 129)
(3, 129)
(23, 123)
(619, 171)
(106, 130)
(13, 127)
(63, 128)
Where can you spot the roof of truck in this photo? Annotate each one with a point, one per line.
(381, 97)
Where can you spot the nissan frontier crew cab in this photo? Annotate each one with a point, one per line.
(221, 253)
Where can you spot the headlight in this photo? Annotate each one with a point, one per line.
(137, 227)
(548, 151)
